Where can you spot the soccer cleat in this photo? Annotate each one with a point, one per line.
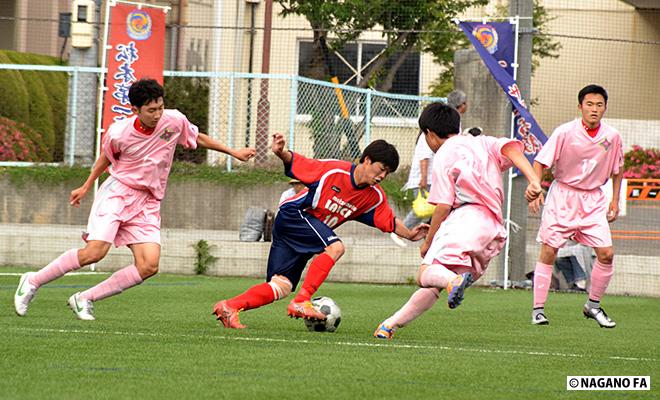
(84, 309)
(24, 294)
(599, 315)
(305, 310)
(227, 315)
(456, 289)
(384, 332)
(540, 319)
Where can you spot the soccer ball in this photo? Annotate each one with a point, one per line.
(333, 315)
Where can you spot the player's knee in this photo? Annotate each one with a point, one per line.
(336, 250)
(420, 272)
(92, 254)
(147, 269)
(281, 286)
(606, 256)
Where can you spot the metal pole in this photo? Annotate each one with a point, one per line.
(230, 116)
(263, 105)
(515, 21)
(293, 110)
(74, 117)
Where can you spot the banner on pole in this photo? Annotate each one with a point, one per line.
(495, 44)
(136, 49)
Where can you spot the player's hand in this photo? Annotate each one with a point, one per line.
(425, 248)
(244, 154)
(419, 232)
(278, 143)
(77, 195)
(613, 211)
(533, 191)
(535, 205)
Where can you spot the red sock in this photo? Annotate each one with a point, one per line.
(316, 274)
(254, 297)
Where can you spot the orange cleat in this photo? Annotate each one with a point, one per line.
(305, 310)
(227, 315)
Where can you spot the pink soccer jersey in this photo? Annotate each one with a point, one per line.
(468, 169)
(143, 161)
(579, 161)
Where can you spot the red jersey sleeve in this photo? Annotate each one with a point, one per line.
(310, 170)
(381, 216)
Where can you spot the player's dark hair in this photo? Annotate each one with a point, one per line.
(441, 119)
(592, 89)
(381, 151)
(145, 91)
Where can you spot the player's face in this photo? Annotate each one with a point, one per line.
(374, 172)
(593, 107)
(150, 113)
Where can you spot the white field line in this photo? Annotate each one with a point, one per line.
(314, 342)
(68, 274)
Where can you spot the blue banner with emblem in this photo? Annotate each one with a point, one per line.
(495, 43)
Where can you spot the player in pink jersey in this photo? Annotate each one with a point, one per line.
(467, 226)
(138, 152)
(583, 155)
(337, 191)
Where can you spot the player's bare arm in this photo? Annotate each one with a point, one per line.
(278, 148)
(439, 215)
(518, 159)
(613, 210)
(424, 172)
(208, 142)
(416, 233)
(535, 205)
(99, 166)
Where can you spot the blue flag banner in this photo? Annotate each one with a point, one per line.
(495, 44)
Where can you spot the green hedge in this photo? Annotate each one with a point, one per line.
(37, 99)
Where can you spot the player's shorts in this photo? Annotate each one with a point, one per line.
(124, 215)
(574, 213)
(467, 240)
(297, 237)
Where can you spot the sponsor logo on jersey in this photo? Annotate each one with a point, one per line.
(336, 189)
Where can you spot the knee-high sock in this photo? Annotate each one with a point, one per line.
(542, 279)
(436, 276)
(600, 279)
(419, 302)
(254, 297)
(66, 262)
(316, 274)
(121, 280)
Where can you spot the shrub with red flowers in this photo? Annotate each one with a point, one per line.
(21, 143)
(641, 163)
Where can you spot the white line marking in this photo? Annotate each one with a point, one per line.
(355, 344)
(68, 274)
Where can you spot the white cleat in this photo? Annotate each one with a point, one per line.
(84, 309)
(540, 319)
(24, 294)
(599, 315)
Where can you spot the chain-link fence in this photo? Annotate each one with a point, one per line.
(227, 95)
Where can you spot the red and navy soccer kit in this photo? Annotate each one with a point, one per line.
(304, 225)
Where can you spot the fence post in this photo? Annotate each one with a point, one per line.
(367, 120)
(73, 117)
(293, 111)
(230, 119)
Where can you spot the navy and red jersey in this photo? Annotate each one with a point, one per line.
(333, 197)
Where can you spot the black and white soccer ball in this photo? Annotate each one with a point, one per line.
(332, 312)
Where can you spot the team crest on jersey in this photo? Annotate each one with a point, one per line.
(606, 144)
(167, 135)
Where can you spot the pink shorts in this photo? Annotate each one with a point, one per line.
(467, 240)
(124, 215)
(573, 213)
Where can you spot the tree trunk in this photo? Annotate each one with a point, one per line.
(318, 67)
(382, 59)
(386, 85)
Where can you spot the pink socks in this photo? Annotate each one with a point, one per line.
(542, 279)
(601, 274)
(419, 302)
(121, 280)
(66, 262)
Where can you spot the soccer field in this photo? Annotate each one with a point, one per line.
(159, 341)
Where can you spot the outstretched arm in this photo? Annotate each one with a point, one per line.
(278, 148)
(518, 159)
(208, 142)
(414, 234)
(99, 166)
